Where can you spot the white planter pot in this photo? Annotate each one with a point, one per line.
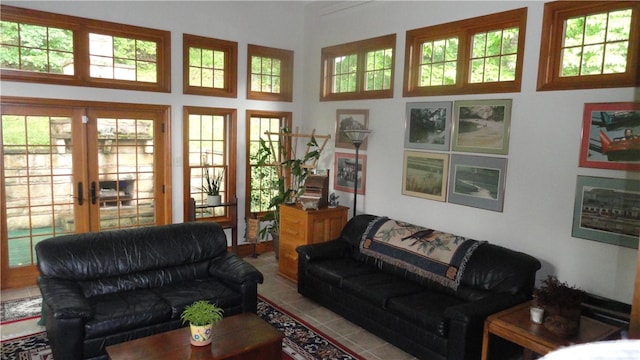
(213, 200)
(201, 335)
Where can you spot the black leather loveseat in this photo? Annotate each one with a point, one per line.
(429, 317)
(108, 287)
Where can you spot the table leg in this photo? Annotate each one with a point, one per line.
(485, 342)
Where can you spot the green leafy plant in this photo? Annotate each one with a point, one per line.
(211, 184)
(202, 313)
(292, 174)
(554, 293)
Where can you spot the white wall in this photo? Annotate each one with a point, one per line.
(545, 126)
(543, 153)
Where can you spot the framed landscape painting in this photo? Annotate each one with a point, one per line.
(482, 126)
(477, 181)
(350, 120)
(425, 175)
(611, 136)
(428, 125)
(606, 210)
(344, 173)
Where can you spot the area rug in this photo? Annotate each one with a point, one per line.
(302, 341)
(20, 309)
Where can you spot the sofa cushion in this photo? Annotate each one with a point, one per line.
(335, 270)
(379, 287)
(426, 308)
(123, 311)
(180, 295)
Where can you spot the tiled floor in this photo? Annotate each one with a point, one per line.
(284, 293)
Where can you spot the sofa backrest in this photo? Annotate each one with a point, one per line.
(126, 259)
(490, 269)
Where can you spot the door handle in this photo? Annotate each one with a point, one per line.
(93, 192)
(80, 193)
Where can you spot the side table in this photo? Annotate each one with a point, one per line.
(514, 324)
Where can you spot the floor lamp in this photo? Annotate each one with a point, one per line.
(356, 137)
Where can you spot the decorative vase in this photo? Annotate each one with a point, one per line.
(214, 200)
(201, 335)
(563, 322)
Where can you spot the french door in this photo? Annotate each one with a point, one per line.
(68, 168)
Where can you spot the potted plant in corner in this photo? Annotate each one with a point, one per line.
(201, 316)
(211, 186)
(561, 304)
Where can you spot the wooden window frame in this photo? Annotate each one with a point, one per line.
(555, 13)
(230, 159)
(360, 48)
(286, 122)
(464, 31)
(81, 28)
(286, 73)
(230, 49)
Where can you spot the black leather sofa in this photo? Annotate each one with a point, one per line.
(109, 287)
(420, 316)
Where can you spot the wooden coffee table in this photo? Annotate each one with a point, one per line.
(514, 324)
(243, 336)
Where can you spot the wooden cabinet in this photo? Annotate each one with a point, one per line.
(301, 227)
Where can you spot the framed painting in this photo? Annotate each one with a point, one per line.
(611, 136)
(345, 173)
(347, 120)
(425, 175)
(477, 181)
(428, 126)
(482, 126)
(606, 210)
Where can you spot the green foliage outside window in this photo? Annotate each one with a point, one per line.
(206, 68)
(378, 70)
(438, 62)
(36, 48)
(265, 74)
(596, 44)
(122, 58)
(344, 73)
(494, 55)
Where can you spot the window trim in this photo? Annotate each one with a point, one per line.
(286, 121)
(360, 47)
(231, 159)
(464, 30)
(230, 49)
(286, 73)
(81, 28)
(553, 19)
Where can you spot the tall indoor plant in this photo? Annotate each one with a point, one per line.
(211, 185)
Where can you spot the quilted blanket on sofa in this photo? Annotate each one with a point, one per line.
(435, 255)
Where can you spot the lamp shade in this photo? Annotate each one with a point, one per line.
(357, 136)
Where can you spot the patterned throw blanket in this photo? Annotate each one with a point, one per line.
(432, 254)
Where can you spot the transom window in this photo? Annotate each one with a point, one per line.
(270, 74)
(478, 55)
(37, 46)
(210, 66)
(593, 45)
(359, 70)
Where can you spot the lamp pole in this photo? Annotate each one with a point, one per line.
(356, 137)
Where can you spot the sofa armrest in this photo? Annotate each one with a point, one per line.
(64, 299)
(466, 323)
(325, 250)
(232, 269)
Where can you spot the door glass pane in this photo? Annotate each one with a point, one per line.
(125, 172)
(38, 184)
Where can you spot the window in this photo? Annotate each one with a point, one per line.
(209, 149)
(210, 66)
(270, 74)
(42, 47)
(262, 181)
(472, 56)
(589, 45)
(358, 70)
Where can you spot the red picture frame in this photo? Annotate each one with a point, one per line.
(606, 143)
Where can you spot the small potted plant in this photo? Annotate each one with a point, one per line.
(561, 304)
(211, 185)
(201, 316)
